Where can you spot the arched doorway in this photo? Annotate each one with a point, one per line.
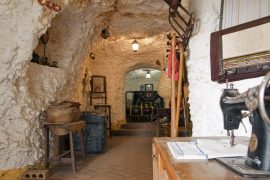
(141, 94)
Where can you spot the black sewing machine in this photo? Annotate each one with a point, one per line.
(256, 101)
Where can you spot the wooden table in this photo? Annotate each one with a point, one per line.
(166, 167)
(74, 127)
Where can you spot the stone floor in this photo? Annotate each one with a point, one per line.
(125, 158)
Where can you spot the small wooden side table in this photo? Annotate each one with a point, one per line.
(74, 127)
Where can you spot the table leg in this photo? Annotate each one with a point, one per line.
(82, 143)
(72, 152)
(47, 149)
(155, 165)
(110, 123)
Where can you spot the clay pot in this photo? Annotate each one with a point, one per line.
(61, 115)
(75, 116)
(45, 38)
(65, 112)
(71, 103)
(49, 4)
(56, 8)
(92, 55)
(104, 33)
(42, 2)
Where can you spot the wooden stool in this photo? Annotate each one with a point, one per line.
(74, 127)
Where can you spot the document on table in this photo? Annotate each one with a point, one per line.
(185, 150)
(206, 149)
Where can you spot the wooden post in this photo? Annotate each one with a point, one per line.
(72, 152)
(173, 121)
(179, 88)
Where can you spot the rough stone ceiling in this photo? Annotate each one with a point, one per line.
(147, 21)
(139, 19)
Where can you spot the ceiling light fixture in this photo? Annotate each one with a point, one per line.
(105, 33)
(148, 75)
(135, 46)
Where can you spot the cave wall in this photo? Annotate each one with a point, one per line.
(145, 21)
(22, 23)
(26, 88)
(115, 71)
(204, 93)
(68, 44)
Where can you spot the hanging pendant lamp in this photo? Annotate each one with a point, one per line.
(135, 46)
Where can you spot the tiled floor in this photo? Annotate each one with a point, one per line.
(126, 158)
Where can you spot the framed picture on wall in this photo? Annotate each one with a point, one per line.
(149, 87)
(98, 84)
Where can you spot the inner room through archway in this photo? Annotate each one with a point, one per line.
(141, 95)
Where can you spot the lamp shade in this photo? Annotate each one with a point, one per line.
(135, 46)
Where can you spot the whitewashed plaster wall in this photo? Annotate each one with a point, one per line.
(204, 97)
(27, 89)
(239, 11)
(22, 22)
(68, 44)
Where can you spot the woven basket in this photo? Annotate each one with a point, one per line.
(62, 113)
(164, 86)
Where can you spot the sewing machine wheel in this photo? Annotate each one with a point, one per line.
(264, 98)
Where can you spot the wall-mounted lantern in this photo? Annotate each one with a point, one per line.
(135, 46)
(148, 75)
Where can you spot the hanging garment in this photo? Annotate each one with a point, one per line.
(170, 66)
(87, 80)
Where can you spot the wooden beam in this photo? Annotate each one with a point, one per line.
(173, 121)
(179, 88)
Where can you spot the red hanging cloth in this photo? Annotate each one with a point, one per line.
(170, 66)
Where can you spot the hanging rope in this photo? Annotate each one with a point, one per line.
(221, 14)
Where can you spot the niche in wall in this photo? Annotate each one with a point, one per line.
(43, 54)
(40, 54)
(63, 43)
